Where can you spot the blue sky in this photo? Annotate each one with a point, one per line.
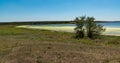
(39, 10)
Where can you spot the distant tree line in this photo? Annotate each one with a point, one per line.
(87, 27)
(35, 22)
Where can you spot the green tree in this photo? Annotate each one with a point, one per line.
(80, 27)
(92, 28)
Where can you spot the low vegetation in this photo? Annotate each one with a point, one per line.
(19, 45)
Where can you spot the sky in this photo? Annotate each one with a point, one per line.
(57, 10)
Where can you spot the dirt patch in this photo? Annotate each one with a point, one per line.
(62, 53)
(22, 54)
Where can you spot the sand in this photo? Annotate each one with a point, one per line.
(109, 31)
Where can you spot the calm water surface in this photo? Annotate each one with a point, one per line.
(107, 24)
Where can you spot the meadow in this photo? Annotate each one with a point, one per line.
(21, 45)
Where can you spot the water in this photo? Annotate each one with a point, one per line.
(105, 24)
(111, 24)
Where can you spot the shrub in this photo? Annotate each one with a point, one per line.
(88, 26)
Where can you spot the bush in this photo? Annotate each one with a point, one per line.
(88, 26)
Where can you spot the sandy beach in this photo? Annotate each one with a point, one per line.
(109, 31)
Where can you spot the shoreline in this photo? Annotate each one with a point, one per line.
(109, 31)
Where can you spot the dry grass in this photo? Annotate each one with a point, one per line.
(41, 46)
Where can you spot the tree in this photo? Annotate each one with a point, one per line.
(93, 29)
(80, 27)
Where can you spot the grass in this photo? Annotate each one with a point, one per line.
(19, 45)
